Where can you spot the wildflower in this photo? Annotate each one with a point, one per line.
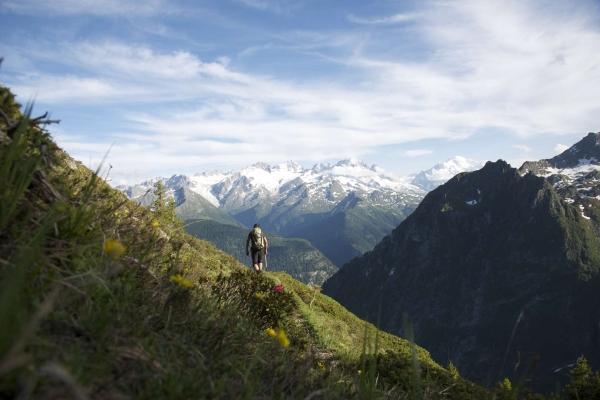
(259, 296)
(155, 223)
(180, 280)
(321, 366)
(186, 270)
(113, 248)
(278, 288)
(271, 332)
(282, 338)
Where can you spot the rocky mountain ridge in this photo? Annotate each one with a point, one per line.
(487, 251)
(250, 194)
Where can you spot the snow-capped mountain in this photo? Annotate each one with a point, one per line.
(575, 173)
(442, 172)
(343, 209)
(285, 192)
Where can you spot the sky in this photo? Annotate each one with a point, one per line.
(162, 87)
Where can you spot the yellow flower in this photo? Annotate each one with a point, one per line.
(271, 332)
(113, 248)
(126, 211)
(282, 338)
(155, 223)
(321, 366)
(259, 296)
(180, 280)
(186, 270)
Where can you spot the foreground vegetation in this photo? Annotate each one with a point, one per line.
(101, 298)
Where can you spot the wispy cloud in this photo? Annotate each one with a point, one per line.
(254, 49)
(392, 19)
(56, 89)
(416, 153)
(523, 148)
(271, 5)
(89, 7)
(509, 66)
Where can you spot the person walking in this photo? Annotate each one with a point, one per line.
(259, 244)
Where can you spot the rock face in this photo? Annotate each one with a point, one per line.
(575, 175)
(483, 251)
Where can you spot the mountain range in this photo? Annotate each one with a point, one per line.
(343, 209)
(498, 270)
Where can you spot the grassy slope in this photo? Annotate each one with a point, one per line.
(86, 322)
(294, 256)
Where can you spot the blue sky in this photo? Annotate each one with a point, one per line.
(188, 86)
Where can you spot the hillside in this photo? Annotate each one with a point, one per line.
(486, 252)
(101, 298)
(354, 227)
(297, 257)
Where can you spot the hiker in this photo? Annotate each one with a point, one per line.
(259, 243)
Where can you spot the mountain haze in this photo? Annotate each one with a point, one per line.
(481, 252)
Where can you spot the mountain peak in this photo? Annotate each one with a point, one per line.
(442, 172)
(290, 166)
(586, 152)
(262, 165)
(214, 172)
(351, 162)
(321, 167)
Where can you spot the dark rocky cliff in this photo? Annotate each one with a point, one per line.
(479, 251)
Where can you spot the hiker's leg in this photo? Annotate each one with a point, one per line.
(259, 256)
(255, 260)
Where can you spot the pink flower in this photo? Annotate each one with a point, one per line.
(278, 288)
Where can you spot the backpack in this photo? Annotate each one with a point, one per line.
(257, 239)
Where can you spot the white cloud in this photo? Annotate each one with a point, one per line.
(136, 60)
(392, 19)
(93, 7)
(254, 49)
(271, 5)
(523, 148)
(559, 148)
(416, 153)
(54, 89)
(503, 65)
